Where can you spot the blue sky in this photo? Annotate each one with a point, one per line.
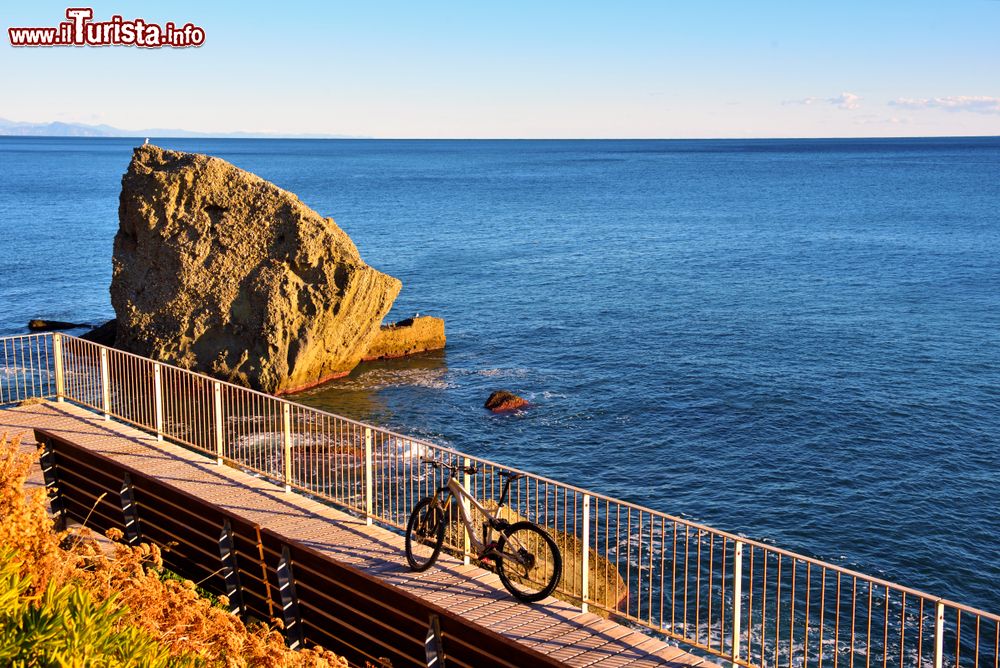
(529, 69)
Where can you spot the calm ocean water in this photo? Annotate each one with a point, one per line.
(795, 340)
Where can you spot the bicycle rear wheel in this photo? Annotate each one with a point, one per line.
(530, 564)
(424, 534)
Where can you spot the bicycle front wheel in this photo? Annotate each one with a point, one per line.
(424, 534)
(530, 564)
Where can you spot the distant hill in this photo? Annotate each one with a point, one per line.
(58, 129)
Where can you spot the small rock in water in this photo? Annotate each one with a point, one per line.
(502, 401)
(53, 325)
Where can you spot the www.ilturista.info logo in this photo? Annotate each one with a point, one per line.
(79, 30)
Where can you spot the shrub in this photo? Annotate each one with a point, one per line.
(64, 601)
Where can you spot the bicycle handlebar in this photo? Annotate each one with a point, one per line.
(471, 470)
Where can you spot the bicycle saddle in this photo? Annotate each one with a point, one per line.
(510, 475)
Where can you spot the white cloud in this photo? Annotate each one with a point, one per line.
(848, 101)
(845, 101)
(979, 104)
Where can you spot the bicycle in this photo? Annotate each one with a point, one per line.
(524, 555)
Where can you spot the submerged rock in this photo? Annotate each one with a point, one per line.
(407, 337)
(53, 325)
(502, 401)
(218, 270)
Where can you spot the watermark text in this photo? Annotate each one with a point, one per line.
(81, 30)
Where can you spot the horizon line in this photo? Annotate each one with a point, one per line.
(299, 137)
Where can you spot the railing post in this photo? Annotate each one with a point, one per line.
(467, 542)
(105, 385)
(220, 434)
(369, 483)
(158, 401)
(60, 374)
(737, 597)
(585, 585)
(286, 432)
(939, 635)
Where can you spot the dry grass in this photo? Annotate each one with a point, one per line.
(128, 586)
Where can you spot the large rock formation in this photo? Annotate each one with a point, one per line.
(217, 270)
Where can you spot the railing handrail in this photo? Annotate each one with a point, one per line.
(739, 541)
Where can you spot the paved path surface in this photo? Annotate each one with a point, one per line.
(552, 627)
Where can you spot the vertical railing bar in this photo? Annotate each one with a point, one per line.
(628, 560)
(777, 613)
(885, 632)
(750, 582)
(618, 525)
(585, 576)
(369, 487)
(791, 616)
(638, 566)
(57, 354)
(673, 583)
(996, 646)
(49, 364)
(31, 368)
(722, 597)
(220, 437)
(5, 390)
(854, 610)
(711, 569)
(687, 551)
(466, 539)
(975, 661)
(868, 635)
(763, 607)
(663, 566)
(737, 597)
(697, 587)
(939, 635)
(902, 629)
(805, 633)
(607, 552)
(286, 433)
(105, 385)
(958, 637)
(158, 399)
(836, 631)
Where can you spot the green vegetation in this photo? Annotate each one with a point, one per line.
(64, 602)
(65, 626)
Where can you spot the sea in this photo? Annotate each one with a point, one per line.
(793, 340)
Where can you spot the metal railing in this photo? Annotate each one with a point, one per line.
(750, 603)
(26, 368)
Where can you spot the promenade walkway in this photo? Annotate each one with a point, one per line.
(551, 627)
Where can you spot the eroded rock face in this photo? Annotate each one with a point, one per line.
(218, 270)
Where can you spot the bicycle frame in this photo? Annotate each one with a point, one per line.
(455, 489)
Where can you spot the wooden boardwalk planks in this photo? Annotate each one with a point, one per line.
(553, 628)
